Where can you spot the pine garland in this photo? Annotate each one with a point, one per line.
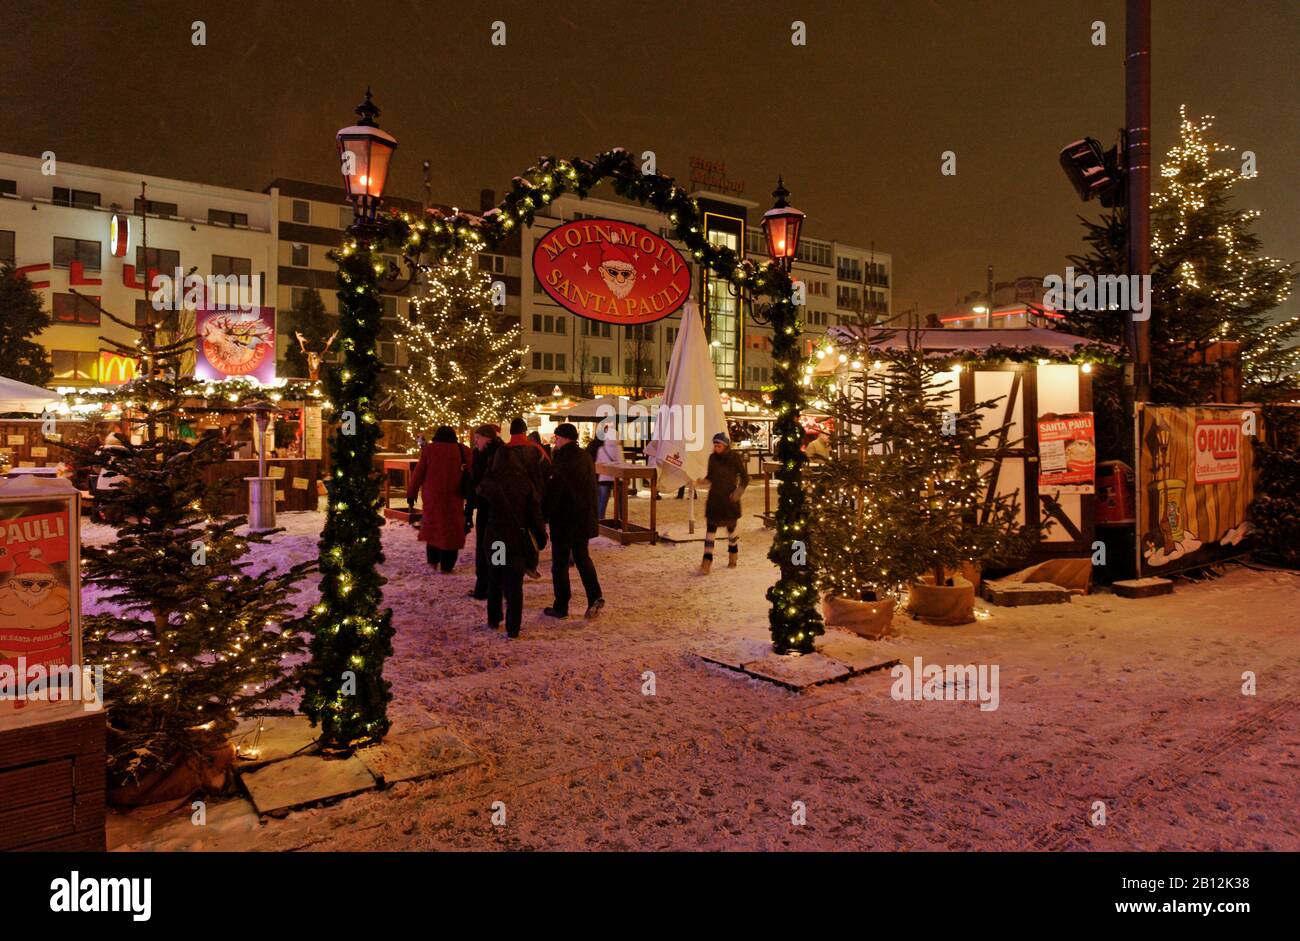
(345, 690)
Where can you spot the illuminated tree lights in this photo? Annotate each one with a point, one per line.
(460, 370)
(908, 491)
(195, 636)
(345, 692)
(1209, 280)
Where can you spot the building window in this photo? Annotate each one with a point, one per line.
(163, 260)
(228, 264)
(595, 328)
(8, 187)
(670, 334)
(79, 199)
(75, 365)
(641, 332)
(7, 255)
(302, 211)
(493, 263)
(388, 353)
(71, 308)
(537, 360)
(559, 362)
(227, 218)
(154, 208)
(347, 216)
(848, 269)
(301, 255)
(86, 251)
(388, 304)
(847, 298)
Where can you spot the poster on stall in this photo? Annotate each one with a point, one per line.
(235, 343)
(1067, 455)
(40, 619)
(312, 432)
(1195, 485)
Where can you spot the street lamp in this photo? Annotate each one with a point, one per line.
(364, 154)
(781, 225)
(344, 691)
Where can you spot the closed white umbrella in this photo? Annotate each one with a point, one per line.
(690, 413)
(18, 396)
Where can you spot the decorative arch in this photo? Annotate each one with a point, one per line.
(352, 633)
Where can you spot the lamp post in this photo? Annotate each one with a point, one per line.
(794, 616)
(345, 692)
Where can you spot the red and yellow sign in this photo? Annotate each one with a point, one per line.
(115, 369)
(611, 271)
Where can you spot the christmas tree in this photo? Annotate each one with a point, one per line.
(907, 492)
(309, 318)
(22, 316)
(1275, 514)
(194, 635)
(461, 369)
(1209, 280)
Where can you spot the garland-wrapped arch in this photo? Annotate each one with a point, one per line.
(352, 634)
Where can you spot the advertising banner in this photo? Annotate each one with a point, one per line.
(611, 271)
(1195, 485)
(40, 583)
(1067, 455)
(235, 343)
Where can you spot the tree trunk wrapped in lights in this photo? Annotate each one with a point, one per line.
(345, 690)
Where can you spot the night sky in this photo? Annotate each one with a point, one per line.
(856, 120)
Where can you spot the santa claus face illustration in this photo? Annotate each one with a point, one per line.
(31, 588)
(617, 269)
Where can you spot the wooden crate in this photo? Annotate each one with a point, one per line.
(52, 785)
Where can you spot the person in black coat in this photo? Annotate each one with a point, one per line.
(569, 505)
(514, 535)
(727, 479)
(486, 444)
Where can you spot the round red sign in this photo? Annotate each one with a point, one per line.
(611, 271)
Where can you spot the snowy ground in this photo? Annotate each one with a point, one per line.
(1134, 703)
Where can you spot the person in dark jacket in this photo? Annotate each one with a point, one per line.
(535, 461)
(727, 479)
(439, 478)
(569, 505)
(514, 535)
(486, 444)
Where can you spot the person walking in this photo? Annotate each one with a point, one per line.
(441, 478)
(514, 535)
(486, 442)
(610, 451)
(727, 479)
(569, 506)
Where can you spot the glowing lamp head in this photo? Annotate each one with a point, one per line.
(364, 155)
(781, 225)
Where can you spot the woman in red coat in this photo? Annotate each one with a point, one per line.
(439, 480)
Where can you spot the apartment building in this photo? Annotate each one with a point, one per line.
(99, 232)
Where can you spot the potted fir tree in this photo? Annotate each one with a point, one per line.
(904, 506)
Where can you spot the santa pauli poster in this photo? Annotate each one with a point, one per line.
(35, 583)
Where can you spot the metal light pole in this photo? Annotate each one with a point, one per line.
(1137, 122)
